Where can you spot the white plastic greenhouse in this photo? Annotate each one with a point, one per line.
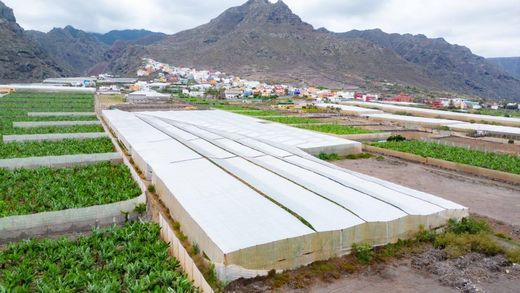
(249, 195)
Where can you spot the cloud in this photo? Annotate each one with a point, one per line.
(489, 28)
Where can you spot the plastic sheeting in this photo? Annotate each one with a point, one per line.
(252, 199)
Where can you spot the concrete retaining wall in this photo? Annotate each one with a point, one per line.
(52, 136)
(59, 114)
(53, 123)
(368, 136)
(60, 161)
(178, 251)
(28, 226)
(488, 173)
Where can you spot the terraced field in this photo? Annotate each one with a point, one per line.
(27, 191)
(494, 161)
(118, 259)
(125, 259)
(15, 108)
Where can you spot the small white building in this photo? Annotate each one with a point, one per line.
(148, 96)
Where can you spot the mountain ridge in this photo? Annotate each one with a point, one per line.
(20, 58)
(267, 41)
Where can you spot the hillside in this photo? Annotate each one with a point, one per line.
(76, 49)
(267, 41)
(511, 64)
(454, 67)
(20, 58)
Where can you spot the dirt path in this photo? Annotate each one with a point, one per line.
(488, 198)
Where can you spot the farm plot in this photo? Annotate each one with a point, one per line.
(494, 161)
(292, 120)
(25, 191)
(55, 148)
(15, 108)
(125, 259)
(336, 129)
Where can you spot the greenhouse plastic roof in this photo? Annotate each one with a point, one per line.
(476, 117)
(244, 187)
(415, 119)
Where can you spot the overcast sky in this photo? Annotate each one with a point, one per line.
(488, 28)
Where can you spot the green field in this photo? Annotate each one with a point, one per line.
(28, 191)
(55, 148)
(118, 259)
(234, 107)
(292, 120)
(336, 129)
(14, 107)
(260, 113)
(54, 129)
(494, 161)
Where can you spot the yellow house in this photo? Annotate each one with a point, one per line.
(134, 87)
(7, 90)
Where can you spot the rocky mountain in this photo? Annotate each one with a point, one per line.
(267, 41)
(143, 37)
(75, 49)
(260, 40)
(20, 58)
(454, 67)
(511, 64)
(84, 53)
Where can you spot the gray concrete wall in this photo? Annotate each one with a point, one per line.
(58, 114)
(52, 136)
(53, 123)
(73, 220)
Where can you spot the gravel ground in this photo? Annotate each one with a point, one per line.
(495, 200)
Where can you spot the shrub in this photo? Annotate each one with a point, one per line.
(467, 226)
(396, 138)
(425, 235)
(363, 252)
(195, 249)
(328, 157)
(456, 245)
(514, 256)
(140, 208)
(151, 188)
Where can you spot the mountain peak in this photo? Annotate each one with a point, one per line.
(6, 13)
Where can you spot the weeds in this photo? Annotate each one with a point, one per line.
(363, 252)
(329, 157)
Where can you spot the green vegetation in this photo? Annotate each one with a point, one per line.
(314, 109)
(234, 107)
(396, 138)
(55, 148)
(494, 161)
(336, 129)
(118, 259)
(292, 120)
(363, 252)
(503, 113)
(260, 113)
(27, 191)
(15, 107)
(329, 157)
(336, 157)
(54, 129)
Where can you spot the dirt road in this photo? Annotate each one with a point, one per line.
(485, 197)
